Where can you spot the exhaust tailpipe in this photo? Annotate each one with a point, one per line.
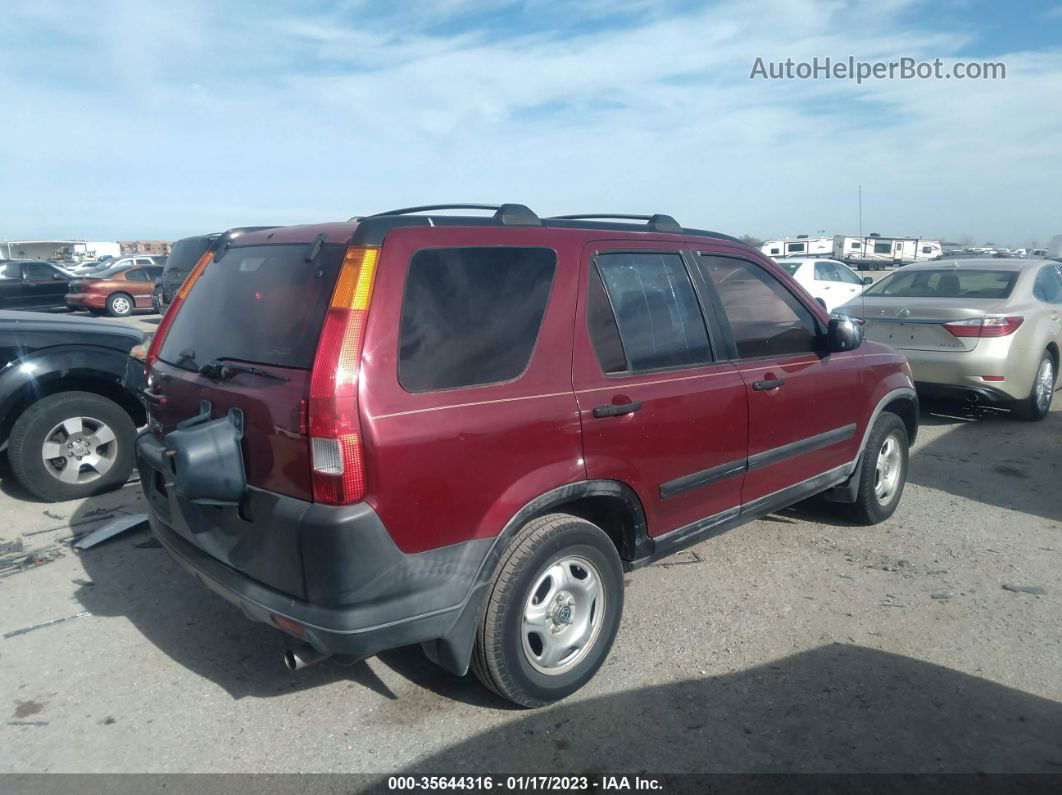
(972, 397)
(302, 656)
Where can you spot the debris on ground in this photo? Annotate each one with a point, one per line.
(20, 560)
(942, 595)
(113, 528)
(1037, 590)
(71, 525)
(9, 547)
(16, 632)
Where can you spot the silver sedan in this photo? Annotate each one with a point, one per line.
(982, 330)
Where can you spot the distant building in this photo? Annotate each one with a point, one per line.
(57, 249)
(146, 247)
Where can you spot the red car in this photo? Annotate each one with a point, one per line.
(461, 431)
(117, 291)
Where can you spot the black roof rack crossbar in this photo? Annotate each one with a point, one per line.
(511, 214)
(657, 221)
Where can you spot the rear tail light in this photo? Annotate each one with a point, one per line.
(336, 450)
(988, 326)
(171, 313)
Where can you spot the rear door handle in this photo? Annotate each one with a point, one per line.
(617, 410)
(770, 383)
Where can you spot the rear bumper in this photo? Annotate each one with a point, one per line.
(82, 300)
(360, 594)
(947, 371)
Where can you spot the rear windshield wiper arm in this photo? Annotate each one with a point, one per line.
(223, 370)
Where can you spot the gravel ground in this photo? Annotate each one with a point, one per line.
(794, 643)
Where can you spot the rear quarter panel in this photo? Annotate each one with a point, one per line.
(451, 466)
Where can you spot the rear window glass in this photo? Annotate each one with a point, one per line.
(471, 316)
(950, 283)
(186, 254)
(259, 304)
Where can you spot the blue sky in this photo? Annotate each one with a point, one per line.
(139, 119)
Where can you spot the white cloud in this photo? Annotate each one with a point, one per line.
(165, 121)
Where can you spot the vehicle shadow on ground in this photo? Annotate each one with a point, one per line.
(991, 457)
(10, 486)
(838, 708)
(133, 577)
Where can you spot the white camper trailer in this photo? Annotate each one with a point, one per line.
(799, 246)
(875, 252)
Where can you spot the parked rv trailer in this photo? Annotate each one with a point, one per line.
(801, 246)
(875, 252)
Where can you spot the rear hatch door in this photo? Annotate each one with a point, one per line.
(245, 338)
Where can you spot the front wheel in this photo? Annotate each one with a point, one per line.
(552, 611)
(882, 471)
(1037, 405)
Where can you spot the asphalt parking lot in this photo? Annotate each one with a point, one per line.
(795, 643)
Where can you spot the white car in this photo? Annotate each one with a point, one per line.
(829, 281)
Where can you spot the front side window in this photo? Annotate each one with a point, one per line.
(471, 316)
(842, 273)
(823, 272)
(656, 311)
(765, 318)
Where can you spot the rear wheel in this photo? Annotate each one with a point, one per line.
(883, 471)
(72, 445)
(552, 611)
(119, 305)
(1038, 404)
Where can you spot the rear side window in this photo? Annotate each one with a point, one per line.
(765, 318)
(656, 310)
(259, 304)
(471, 316)
(1048, 286)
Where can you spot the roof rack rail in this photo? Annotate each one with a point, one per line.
(657, 221)
(509, 214)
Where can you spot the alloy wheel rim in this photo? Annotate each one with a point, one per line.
(888, 469)
(79, 450)
(1045, 383)
(563, 615)
(120, 305)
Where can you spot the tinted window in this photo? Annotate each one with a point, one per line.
(37, 271)
(765, 318)
(883, 248)
(950, 283)
(776, 251)
(659, 320)
(856, 245)
(136, 275)
(471, 316)
(601, 323)
(794, 247)
(1048, 285)
(260, 304)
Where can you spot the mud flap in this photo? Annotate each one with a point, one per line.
(203, 460)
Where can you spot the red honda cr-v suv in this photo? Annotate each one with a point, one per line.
(460, 431)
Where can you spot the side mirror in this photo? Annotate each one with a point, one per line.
(867, 280)
(843, 334)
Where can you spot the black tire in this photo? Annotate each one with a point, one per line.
(120, 305)
(869, 508)
(32, 428)
(499, 658)
(1035, 407)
